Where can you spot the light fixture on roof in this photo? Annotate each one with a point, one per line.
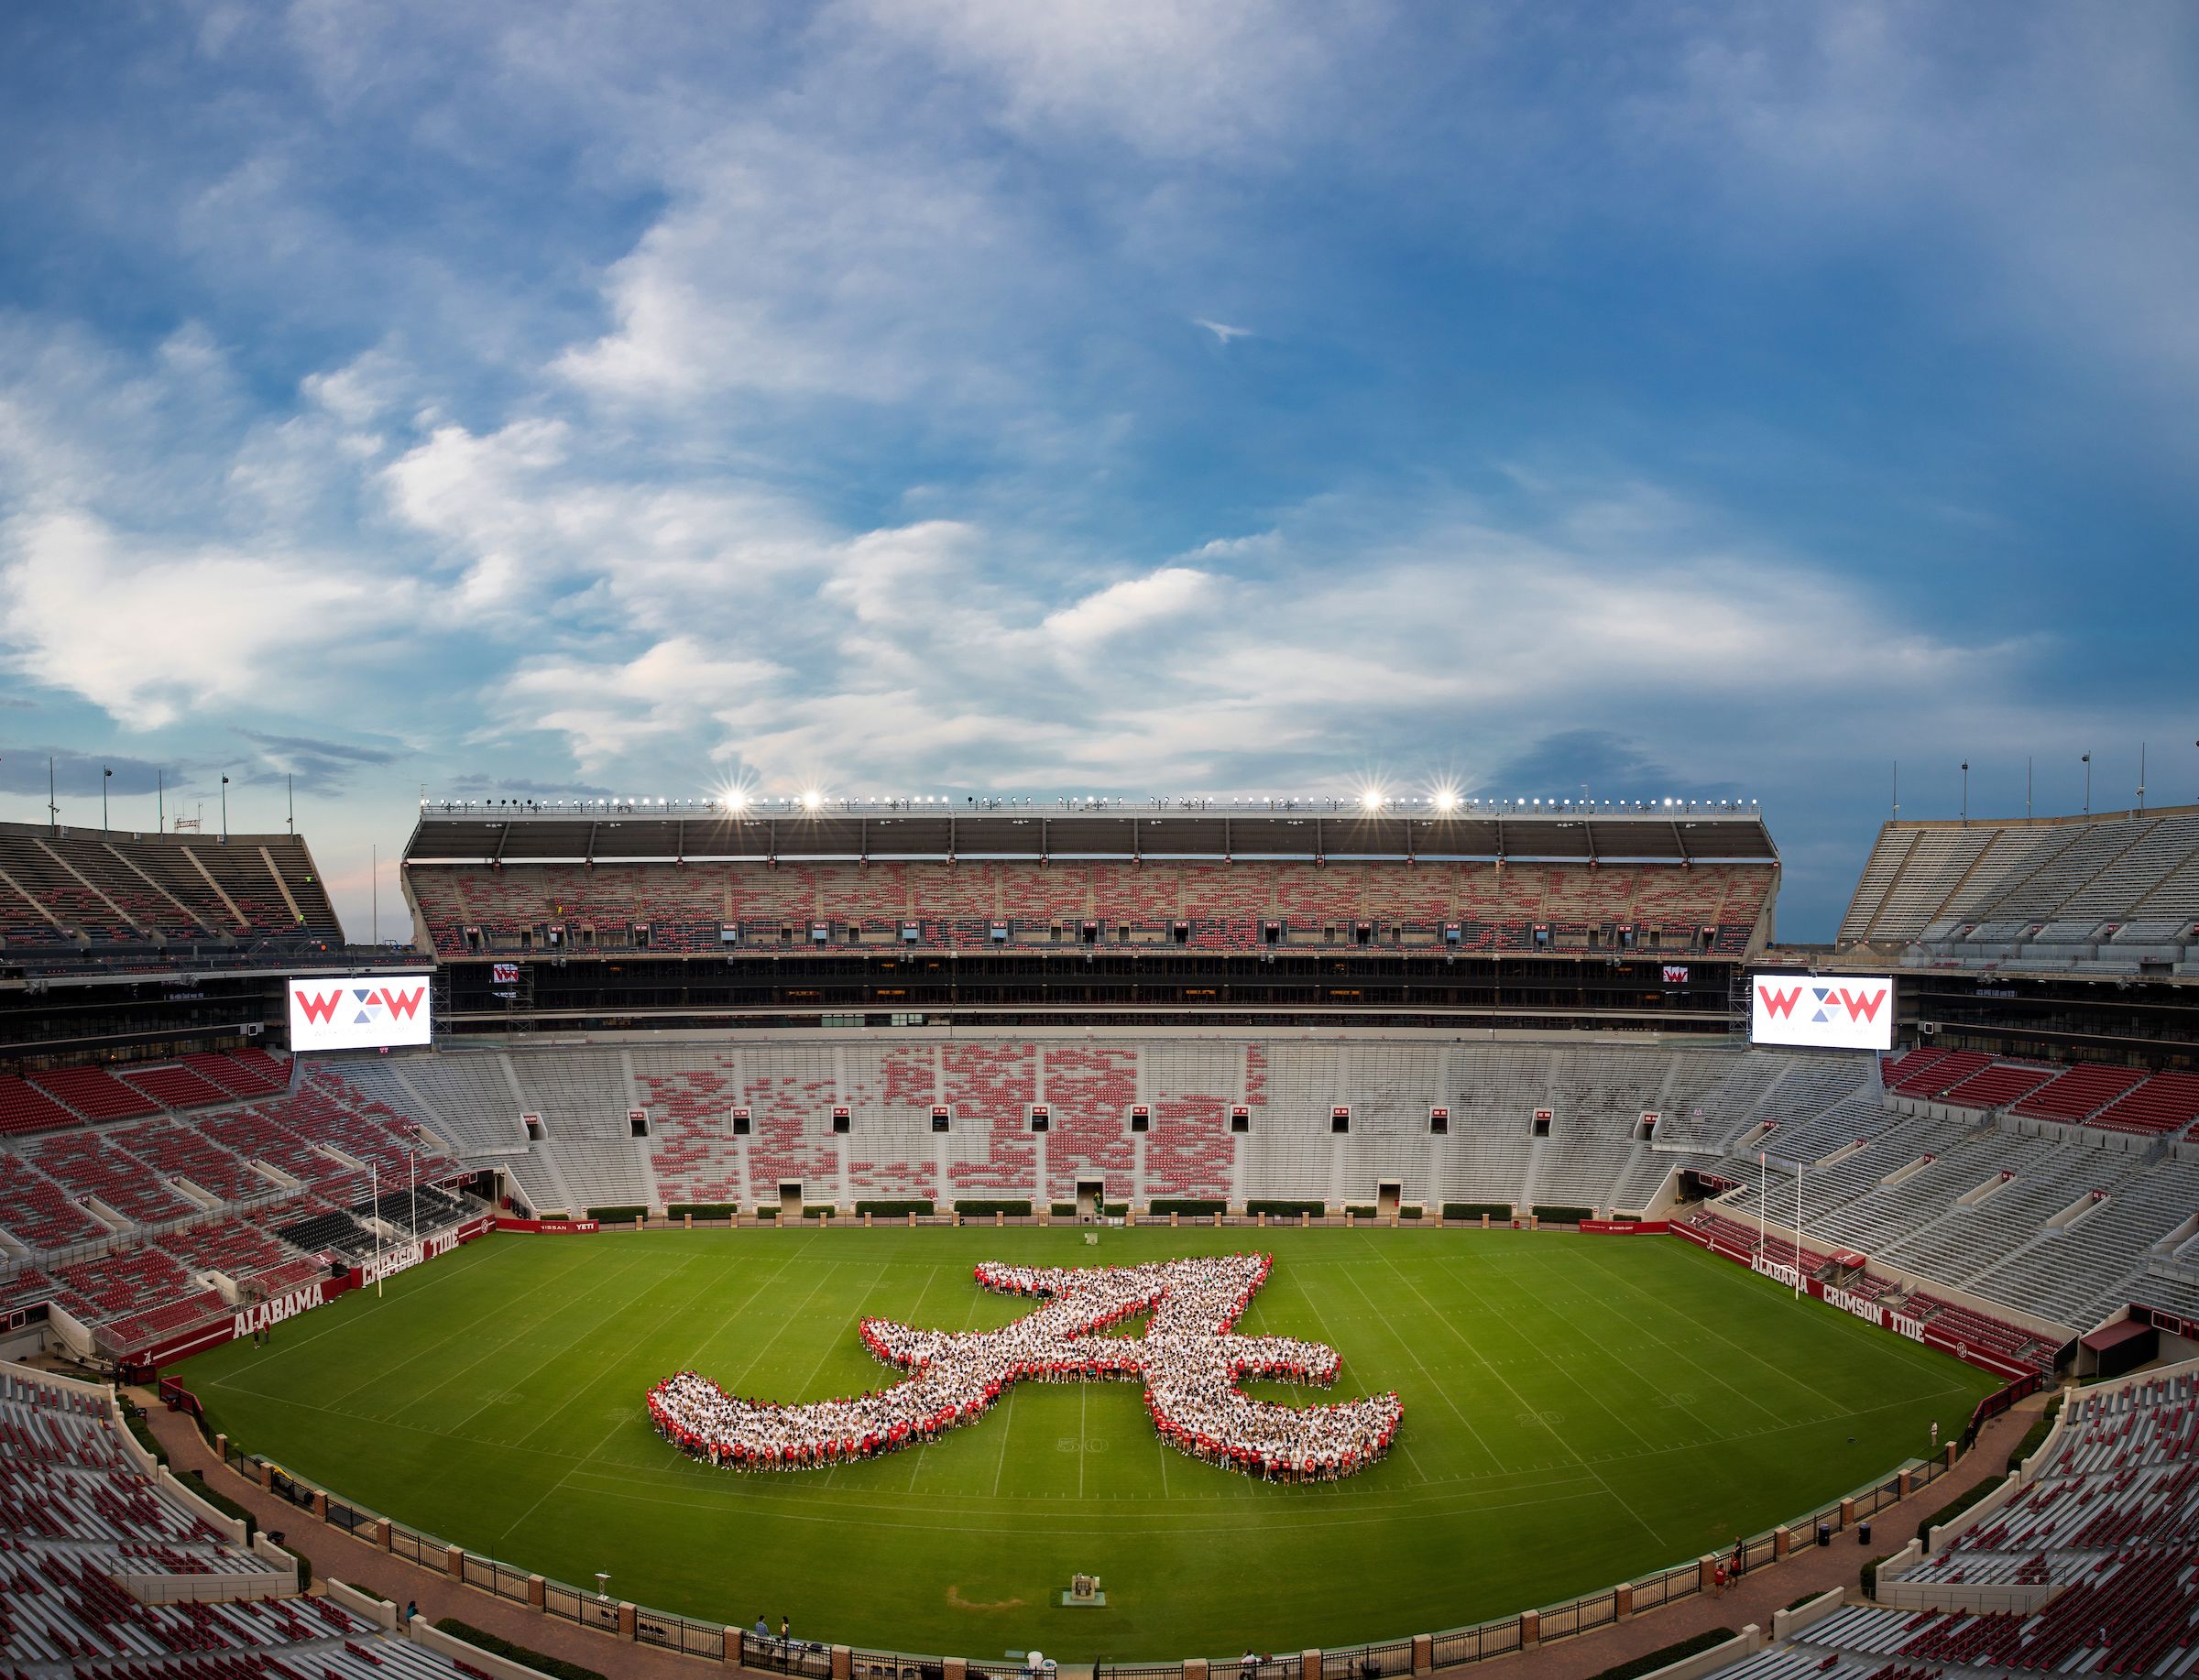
(811, 799)
(1369, 799)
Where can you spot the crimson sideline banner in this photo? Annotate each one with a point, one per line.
(1860, 1306)
(550, 1228)
(1624, 1227)
(266, 1314)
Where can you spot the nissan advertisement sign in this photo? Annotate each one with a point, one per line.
(359, 1011)
(1821, 1011)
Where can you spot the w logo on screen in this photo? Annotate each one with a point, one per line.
(374, 1004)
(1835, 1012)
(1188, 1359)
(1824, 1003)
(359, 1011)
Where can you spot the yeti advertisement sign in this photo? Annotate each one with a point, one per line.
(359, 1011)
(1821, 1011)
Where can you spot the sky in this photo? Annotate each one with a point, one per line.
(965, 396)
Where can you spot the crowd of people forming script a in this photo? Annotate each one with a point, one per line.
(1188, 1359)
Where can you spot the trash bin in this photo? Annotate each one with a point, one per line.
(1863, 1533)
(1824, 1533)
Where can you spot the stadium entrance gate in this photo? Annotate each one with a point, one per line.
(789, 1200)
(1091, 1196)
(1388, 1194)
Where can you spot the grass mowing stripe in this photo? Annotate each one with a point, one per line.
(1741, 1394)
(1624, 1505)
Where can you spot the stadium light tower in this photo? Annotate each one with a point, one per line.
(1369, 799)
(812, 799)
(1965, 790)
(2088, 761)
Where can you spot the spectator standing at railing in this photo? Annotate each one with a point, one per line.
(1248, 1664)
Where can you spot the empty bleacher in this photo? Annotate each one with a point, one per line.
(2117, 893)
(77, 1510)
(72, 889)
(514, 908)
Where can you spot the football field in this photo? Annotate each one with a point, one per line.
(1577, 1410)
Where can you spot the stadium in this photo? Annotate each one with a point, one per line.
(1101, 840)
(880, 1236)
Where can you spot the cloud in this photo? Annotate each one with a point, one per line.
(1231, 78)
(1170, 593)
(790, 266)
(148, 631)
(1222, 332)
(322, 766)
(606, 710)
(78, 773)
(481, 781)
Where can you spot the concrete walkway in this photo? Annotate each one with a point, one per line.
(1754, 1599)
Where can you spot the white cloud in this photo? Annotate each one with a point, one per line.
(606, 710)
(150, 632)
(1173, 80)
(790, 266)
(1168, 595)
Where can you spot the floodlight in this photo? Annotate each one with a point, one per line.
(1370, 799)
(811, 799)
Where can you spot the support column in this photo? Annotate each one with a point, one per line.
(843, 1663)
(1706, 1573)
(1947, 1457)
(1309, 1665)
(732, 1656)
(954, 1668)
(320, 1504)
(266, 1477)
(453, 1562)
(626, 1620)
(1782, 1541)
(1530, 1629)
(381, 1532)
(1424, 1653)
(221, 1447)
(1621, 1601)
(1905, 1483)
(1195, 1668)
(1847, 1513)
(536, 1596)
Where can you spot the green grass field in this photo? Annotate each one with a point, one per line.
(1577, 1410)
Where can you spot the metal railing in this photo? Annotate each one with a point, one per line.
(899, 1666)
(1368, 1662)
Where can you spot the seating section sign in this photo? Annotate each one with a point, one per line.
(367, 1011)
(1836, 1012)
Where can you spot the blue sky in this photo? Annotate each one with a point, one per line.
(905, 396)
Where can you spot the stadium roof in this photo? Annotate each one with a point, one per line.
(462, 832)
